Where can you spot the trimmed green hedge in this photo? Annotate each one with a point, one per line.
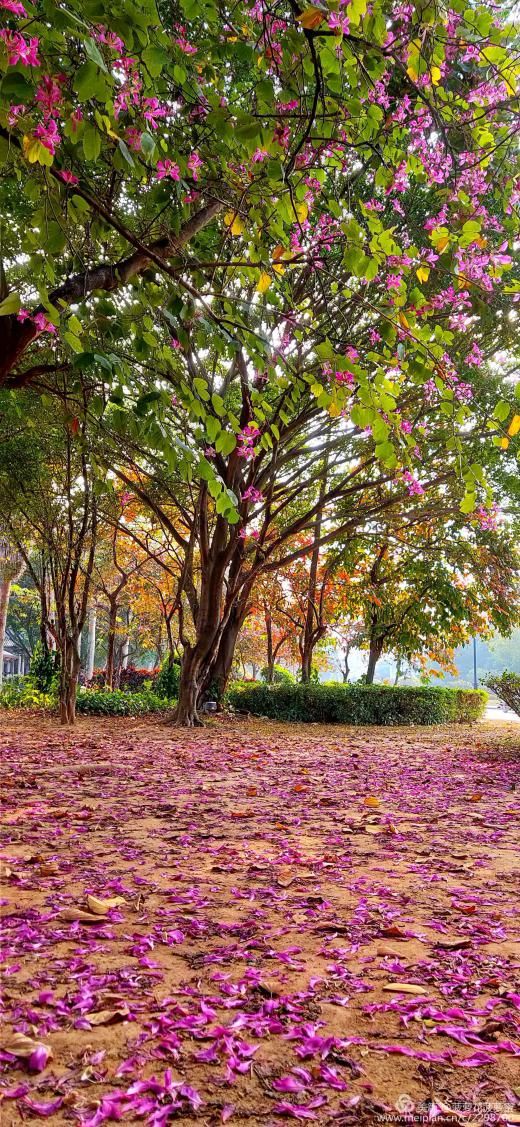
(118, 703)
(358, 704)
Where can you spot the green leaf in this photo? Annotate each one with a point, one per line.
(94, 53)
(225, 443)
(468, 503)
(91, 143)
(16, 88)
(501, 411)
(87, 81)
(11, 304)
(155, 58)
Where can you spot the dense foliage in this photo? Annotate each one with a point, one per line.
(359, 704)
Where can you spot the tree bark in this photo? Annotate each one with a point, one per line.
(5, 591)
(70, 665)
(111, 644)
(376, 649)
(91, 645)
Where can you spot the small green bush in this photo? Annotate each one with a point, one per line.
(21, 692)
(43, 666)
(507, 688)
(358, 704)
(94, 702)
(281, 675)
(166, 683)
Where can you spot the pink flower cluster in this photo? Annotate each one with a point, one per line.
(414, 487)
(41, 322)
(246, 439)
(253, 495)
(19, 49)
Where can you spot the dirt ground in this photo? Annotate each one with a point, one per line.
(310, 923)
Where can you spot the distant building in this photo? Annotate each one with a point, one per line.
(16, 664)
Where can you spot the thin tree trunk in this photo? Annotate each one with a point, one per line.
(5, 591)
(111, 645)
(91, 645)
(270, 649)
(125, 648)
(70, 666)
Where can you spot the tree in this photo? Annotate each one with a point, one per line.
(11, 568)
(50, 512)
(23, 628)
(427, 589)
(274, 241)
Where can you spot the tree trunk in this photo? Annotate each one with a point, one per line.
(91, 645)
(125, 648)
(70, 665)
(345, 672)
(218, 674)
(5, 590)
(111, 645)
(186, 715)
(306, 668)
(398, 670)
(376, 649)
(270, 649)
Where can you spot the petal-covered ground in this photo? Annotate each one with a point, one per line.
(256, 922)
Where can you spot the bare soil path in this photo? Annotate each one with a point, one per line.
(309, 923)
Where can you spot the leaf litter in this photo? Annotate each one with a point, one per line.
(205, 926)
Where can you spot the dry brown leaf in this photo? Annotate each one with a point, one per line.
(108, 1017)
(21, 1046)
(453, 944)
(76, 914)
(405, 987)
(371, 800)
(103, 907)
(5, 871)
(394, 932)
(311, 18)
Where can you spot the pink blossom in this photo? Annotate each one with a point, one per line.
(339, 24)
(475, 357)
(68, 177)
(185, 47)
(414, 487)
(194, 163)
(48, 136)
(19, 50)
(259, 156)
(13, 6)
(167, 168)
(154, 111)
(43, 324)
(252, 494)
(23, 315)
(49, 95)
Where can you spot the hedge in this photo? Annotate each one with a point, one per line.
(91, 702)
(507, 688)
(358, 704)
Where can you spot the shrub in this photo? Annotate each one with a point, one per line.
(166, 683)
(358, 704)
(21, 692)
(133, 680)
(507, 688)
(281, 675)
(94, 702)
(43, 665)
